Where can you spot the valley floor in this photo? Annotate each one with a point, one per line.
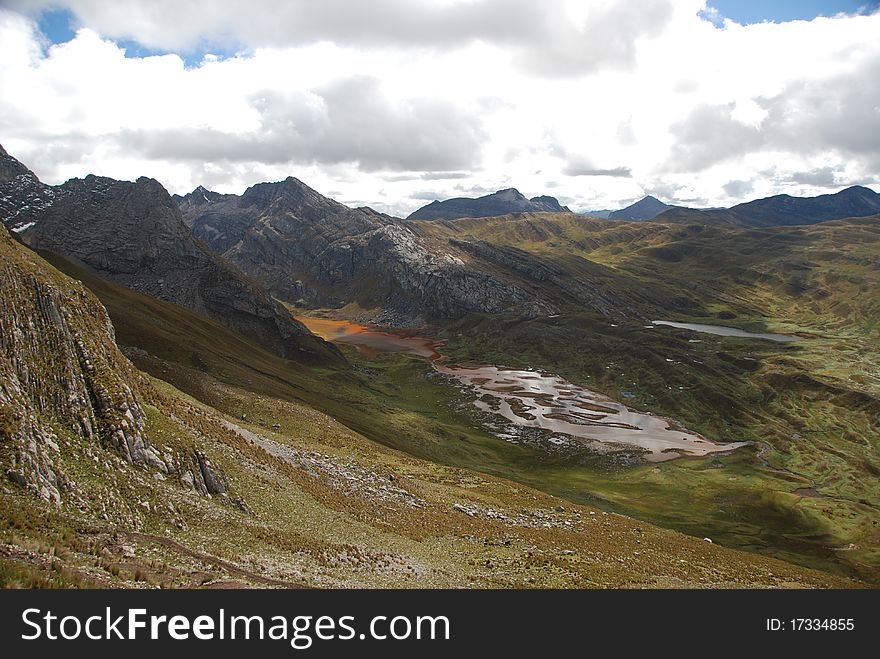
(326, 507)
(378, 473)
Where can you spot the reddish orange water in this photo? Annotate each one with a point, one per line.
(370, 340)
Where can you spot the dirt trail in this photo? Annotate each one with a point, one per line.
(213, 560)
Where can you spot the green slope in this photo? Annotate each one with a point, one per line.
(746, 500)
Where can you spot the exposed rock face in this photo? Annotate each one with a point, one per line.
(313, 250)
(214, 480)
(549, 204)
(644, 209)
(60, 372)
(196, 471)
(546, 275)
(133, 234)
(219, 232)
(503, 202)
(23, 197)
(277, 232)
(10, 168)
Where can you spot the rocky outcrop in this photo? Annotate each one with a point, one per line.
(277, 233)
(549, 204)
(133, 234)
(314, 251)
(503, 202)
(592, 285)
(218, 228)
(418, 281)
(23, 197)
(61, 375)
(214, 480)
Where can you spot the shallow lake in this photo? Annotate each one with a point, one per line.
(721, 330)
(539, 400)
(532, 399)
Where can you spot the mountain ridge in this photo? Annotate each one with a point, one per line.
(311, 250)
(502, 202)
(133, 233)
(23, 197)
(784, 210)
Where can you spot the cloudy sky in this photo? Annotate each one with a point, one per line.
(394, 103)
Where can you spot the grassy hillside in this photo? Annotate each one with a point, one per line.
(749, 499)
(311, 502)
(326, 507)
(813, 406)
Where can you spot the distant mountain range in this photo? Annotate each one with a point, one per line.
(783, 210)
(779, 210)
(503, 202)
(226, 256)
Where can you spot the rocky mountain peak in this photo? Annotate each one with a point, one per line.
(508, 194)
(11, 168)
(551, 203)
(133, 233)
(200, 197)
(291, 194)
(152, 185)
(23, 197)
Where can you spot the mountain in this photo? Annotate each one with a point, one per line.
(550, 205)
(644, 209)
(133, 233)
(200, 202)
(314, 251)
(23, 197)
(498, 203)
(784, 210)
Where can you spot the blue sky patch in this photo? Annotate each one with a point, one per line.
(746, 12)
(60, 25)
(57, 25)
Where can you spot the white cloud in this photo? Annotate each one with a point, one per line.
(601, 102)
(554, 37)
(347, 121)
